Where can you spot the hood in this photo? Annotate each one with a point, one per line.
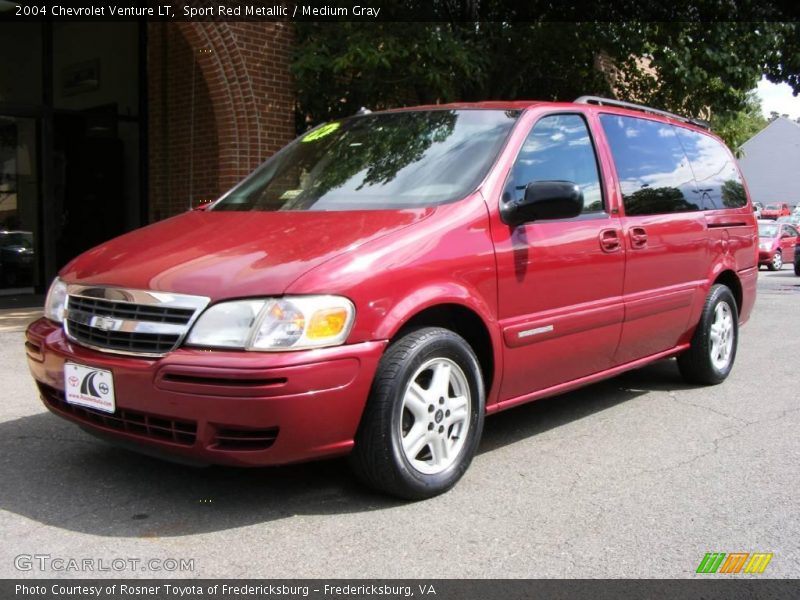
(231, 254)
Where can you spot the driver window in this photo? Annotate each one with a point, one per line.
(558, 148)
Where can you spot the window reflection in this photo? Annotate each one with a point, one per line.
(652, 167)
(18, 205)
(716, 175)
(385, 160)
(558, 148)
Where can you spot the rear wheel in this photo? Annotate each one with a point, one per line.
(424, 418)
(776, 264)
(710, 357)
(797, 265)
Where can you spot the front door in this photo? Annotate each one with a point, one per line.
(788, 242)
(560, 282)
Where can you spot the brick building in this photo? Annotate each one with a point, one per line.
(220, 102)
(105, 127)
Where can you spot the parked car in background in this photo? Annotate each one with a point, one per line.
(773, 211)
(757, 208)
(797, 257)
(386, 280)
(16, 258)
(776, 244)
(792, 219)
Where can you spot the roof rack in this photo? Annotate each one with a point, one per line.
(640, 107)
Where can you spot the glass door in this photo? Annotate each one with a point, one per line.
(19, 206)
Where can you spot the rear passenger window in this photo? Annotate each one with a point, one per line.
(717, 177)
(557, 148)
(652, 167)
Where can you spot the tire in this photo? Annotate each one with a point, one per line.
(797, 267)
(776, 264)
(411, 397)
(710, 358)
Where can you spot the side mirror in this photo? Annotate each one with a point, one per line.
(544, 200)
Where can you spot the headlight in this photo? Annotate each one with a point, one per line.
(56, 300)
(270, 324)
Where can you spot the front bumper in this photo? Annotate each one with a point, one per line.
(218, 407)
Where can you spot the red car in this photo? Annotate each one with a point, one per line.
(773, 211)
(776, 243)
(386, 280)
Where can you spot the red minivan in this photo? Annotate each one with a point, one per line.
(385, 281)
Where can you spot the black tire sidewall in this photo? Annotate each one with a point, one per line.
(440, 343)
(719, 293)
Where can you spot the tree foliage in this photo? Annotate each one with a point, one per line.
(736, 127)
(695, 68)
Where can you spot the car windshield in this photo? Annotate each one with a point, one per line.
(378, 161)
(773, 207)
(767, 230)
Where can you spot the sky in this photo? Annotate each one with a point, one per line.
(778, 97)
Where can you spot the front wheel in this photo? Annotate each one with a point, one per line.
(710, 357)
(424, 417)
(776, 264)
(797, 267)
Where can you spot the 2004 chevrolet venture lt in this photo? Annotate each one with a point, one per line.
(385, 281)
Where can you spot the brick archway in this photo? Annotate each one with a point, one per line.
(245, 71)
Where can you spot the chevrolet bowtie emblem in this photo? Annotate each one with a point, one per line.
(105, 323)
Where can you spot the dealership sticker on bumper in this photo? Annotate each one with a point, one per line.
(89, 387)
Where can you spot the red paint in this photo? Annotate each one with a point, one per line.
(565, 302)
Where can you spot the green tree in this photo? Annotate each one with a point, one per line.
(697, 68)
(736, 127)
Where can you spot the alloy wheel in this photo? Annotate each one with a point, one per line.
(436, 416)
(722, 336)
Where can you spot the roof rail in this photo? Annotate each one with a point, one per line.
(640, 107)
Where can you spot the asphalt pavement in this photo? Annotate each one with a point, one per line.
(637, 476)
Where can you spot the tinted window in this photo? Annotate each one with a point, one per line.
(790, 230)
(652, 167)
(718, 179)
(558, 148)
(385, 160)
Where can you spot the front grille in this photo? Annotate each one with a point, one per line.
(136, 423)
(144, 343)
(133, 312)
(125, 321)
(228, 438)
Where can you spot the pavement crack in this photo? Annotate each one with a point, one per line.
(709, 409)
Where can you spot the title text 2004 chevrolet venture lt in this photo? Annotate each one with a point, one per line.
(386, 280)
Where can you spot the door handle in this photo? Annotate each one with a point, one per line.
(638, 237)
(609, 240)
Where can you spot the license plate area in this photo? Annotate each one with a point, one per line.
(89, 387)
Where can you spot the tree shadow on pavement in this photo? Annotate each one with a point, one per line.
(56, 474)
